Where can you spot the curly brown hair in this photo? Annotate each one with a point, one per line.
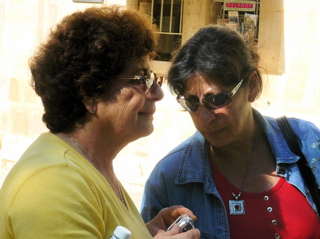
(82, 57)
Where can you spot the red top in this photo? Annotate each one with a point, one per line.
(282, 212)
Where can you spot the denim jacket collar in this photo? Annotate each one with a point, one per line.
(192, 170)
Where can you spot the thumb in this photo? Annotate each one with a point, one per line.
(168, 234)
(174, 230)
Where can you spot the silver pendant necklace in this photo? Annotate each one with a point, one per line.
(236, 206)
(121, 197)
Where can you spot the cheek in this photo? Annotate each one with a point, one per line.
(137, 101)
(123, 107)
(131, 100)
(238, 118)
(199, 121)
(210, 121)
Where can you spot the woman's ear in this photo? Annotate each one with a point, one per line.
(90, 104)
(254, 86)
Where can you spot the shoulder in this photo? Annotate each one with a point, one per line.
(180, 162)
(304, 130)
(51, 154)
(47, 169)
(301, 127)
(307, 133)
(47, 197)
(187, 147)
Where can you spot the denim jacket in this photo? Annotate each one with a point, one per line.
(183, 177)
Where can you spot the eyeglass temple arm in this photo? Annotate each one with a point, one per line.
(235, 89)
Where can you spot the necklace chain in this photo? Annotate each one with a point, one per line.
(237, 197)
(244, 179)
(237, 206)
(121, 197)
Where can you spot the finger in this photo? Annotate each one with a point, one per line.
(183, 210)
(173, 231)
(174, 212)
(192, 234)
(169, 234)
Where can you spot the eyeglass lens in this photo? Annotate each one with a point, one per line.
(152, 78)
(211, 102)
(217, 101)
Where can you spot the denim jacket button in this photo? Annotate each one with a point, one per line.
(281, 169)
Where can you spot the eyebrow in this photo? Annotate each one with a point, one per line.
(208, 94)
(205, 95)
(143, 70)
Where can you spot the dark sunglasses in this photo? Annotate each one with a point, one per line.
(149, 80)
(211, 102)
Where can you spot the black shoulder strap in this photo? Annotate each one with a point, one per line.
(305, 170)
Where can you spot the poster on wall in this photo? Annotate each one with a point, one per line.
(248, 6)
(233, 16)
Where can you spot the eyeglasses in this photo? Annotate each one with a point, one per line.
(149, 80)
(211, 102)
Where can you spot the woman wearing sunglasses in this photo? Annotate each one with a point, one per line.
(236, 173)
(95, 81)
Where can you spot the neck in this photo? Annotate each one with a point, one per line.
(242, 142)
(236, 153)
(103, 164)
(99, 153)
(234, 160)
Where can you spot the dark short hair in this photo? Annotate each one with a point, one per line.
(216, 52)
(82, 57)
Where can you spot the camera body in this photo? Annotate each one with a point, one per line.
(184, 222)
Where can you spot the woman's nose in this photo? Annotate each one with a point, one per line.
(155, 93)
(205, 114)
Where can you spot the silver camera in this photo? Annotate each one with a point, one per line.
(184, 222)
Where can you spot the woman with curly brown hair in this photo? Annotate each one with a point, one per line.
(95, 81)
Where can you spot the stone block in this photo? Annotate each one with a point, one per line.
(274, 5)
(15, 90)
(19, 120)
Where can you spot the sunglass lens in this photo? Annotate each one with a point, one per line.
(192, 104)
(217, 101)
(188, 105)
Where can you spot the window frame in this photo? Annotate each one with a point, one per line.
(160, 24)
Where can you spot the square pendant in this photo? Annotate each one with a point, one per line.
(236, 207)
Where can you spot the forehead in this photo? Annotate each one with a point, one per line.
(137, 66)
(198, 85)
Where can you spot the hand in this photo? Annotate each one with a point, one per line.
(174, 234)
(166, 217)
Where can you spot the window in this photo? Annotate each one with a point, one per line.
(167, 15)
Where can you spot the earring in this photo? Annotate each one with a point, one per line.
(93, 110)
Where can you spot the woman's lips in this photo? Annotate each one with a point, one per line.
(216, 133)
(147, 114)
